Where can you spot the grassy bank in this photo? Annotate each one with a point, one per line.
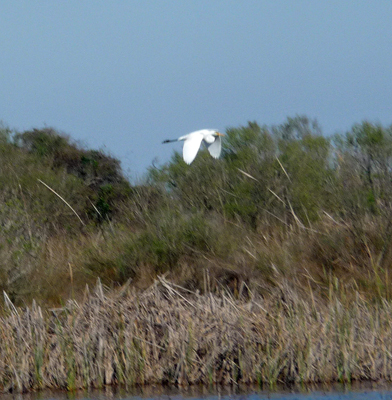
(168, 335)
(278, 255)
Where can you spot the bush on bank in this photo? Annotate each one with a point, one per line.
(283, 201)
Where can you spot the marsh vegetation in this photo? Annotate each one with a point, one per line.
(269, 265)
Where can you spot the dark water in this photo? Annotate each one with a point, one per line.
(361, 392)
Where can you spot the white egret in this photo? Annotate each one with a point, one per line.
(192, 142)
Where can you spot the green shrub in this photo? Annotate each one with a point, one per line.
(283, 205)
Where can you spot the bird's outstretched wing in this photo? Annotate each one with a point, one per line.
(191, 147)
(215, 147)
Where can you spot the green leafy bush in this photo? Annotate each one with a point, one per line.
(283, 205)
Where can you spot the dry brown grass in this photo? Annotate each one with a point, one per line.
(168, 335)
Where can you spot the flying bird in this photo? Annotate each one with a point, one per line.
(192, 142)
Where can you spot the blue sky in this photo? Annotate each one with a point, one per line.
(125, 75)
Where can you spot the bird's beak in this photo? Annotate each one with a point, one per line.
(219, 134)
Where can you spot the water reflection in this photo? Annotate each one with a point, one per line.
(336, 392)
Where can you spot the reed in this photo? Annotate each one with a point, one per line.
(169, 335)
(278, 257)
